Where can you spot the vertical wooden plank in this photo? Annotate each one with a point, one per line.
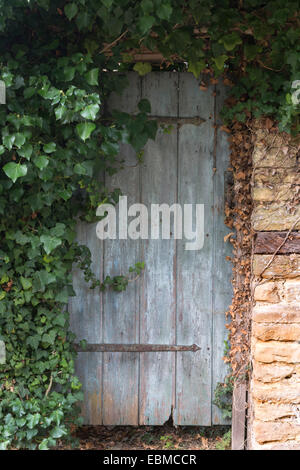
(86, 322)
(121, 310)
(89, 372)
(222, 269)
(194, 268)
(158, 296)
(238, 432)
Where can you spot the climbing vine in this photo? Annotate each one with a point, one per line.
(58, 62)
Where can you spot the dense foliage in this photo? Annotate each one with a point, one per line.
(56, 139)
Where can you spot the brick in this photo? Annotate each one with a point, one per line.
(292, 291)
(282, 266)
(276, 351)
(285, 392)
(274, 216)
(275, 431)
(277, 313)
(273, 412)
(267, 292)
(277, 332)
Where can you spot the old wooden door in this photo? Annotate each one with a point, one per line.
(182, 296)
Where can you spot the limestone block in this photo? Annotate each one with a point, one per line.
(282, 266)
(274, 216)
(275, 431)
(267, 292)
(277, 331)
(277, 351)
(277, 313)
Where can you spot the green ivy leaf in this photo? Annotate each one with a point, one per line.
(58, 432)
(164, 11)
(71, 10)
(146, 23)
(8, 141)
(142, 68)
(25, 151)
(144, 106)
(197, 67)
(26, 283)
(92, 76)
(50, 243)
(90, 111)
(84, 129)
(220, 61)
(33, 420)
(41, 161)
(15, 170)
(44, 445)
(50, 148)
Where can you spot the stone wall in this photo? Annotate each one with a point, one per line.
(275, 348)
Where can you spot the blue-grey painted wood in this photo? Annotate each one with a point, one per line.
(121, 310)
(222, 270)
(194, 268)
(158, 294)
(182, 296)
(86, 322)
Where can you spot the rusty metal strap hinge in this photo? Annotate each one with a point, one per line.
(89, 347)
(178, 121)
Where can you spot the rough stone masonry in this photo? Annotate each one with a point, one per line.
(275, 348)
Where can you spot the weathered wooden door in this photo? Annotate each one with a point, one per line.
(182, 296)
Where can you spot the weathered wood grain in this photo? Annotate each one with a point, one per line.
(222, 269)
(269, 242)
(238, 438)
(158, 294)
(121, 318)
(182, 296)
(194, 268)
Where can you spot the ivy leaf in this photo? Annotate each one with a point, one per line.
(164, 11)
(90, 111)
(145, 23)
(142, 68)
(8, 141)
(92, 76)
(44, 445)
(69, 73)
(19, 140)
(33, 341)
(60, 319)
(231, 41)
(144, 106)
(41, 161)
(25, 151)
(58, 432)
(70, 10)
(26, 283)
(15, 170)
(50, 243)
(84, 129)
(196, 68)
(220, 61)
(33, 420)
(84, 168)
(50, 148)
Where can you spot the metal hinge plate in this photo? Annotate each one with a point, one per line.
(89, 347)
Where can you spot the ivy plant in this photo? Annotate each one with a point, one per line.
(59, 61)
